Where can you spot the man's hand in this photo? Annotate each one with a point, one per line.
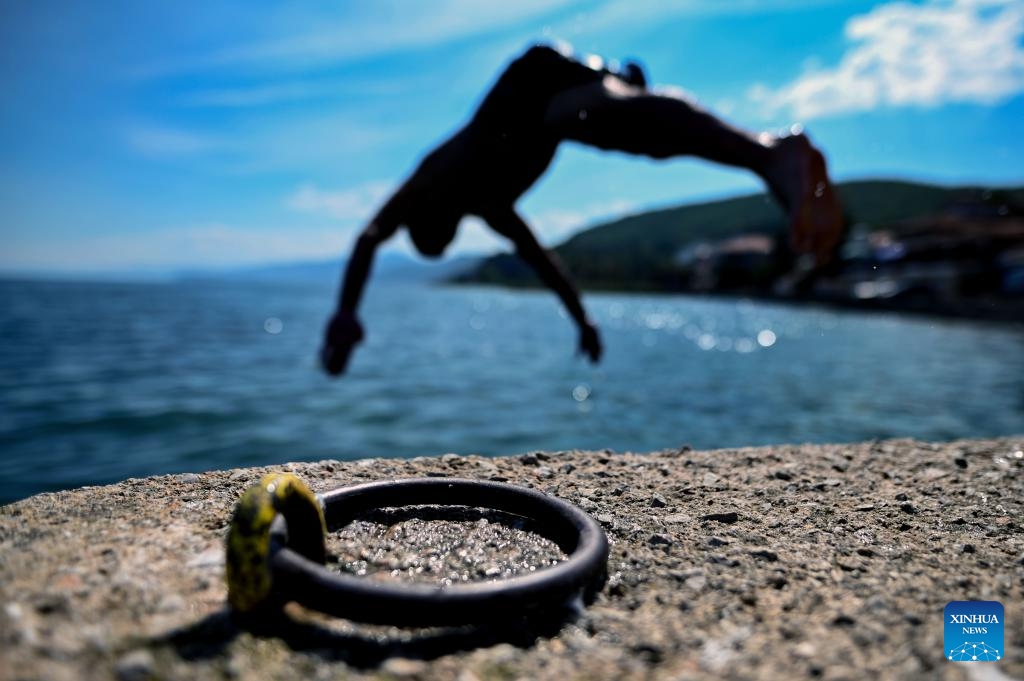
(590, 342)
(342, 335)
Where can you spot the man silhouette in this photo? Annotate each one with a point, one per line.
(544, 97)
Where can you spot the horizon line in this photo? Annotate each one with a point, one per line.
(162, 273)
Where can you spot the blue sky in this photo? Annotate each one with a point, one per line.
(156, 135)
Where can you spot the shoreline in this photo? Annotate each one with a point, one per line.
(1004, 313)
(773, 563)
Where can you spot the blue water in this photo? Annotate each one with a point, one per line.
(99, 382)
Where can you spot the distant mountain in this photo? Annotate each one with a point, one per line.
(392, 267)
(640, 252)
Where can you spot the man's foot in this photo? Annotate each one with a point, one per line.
(799, 179)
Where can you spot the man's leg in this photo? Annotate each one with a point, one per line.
(615, 115)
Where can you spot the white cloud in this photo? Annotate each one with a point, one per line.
(218, 245)
(360, 30)
(163, 142)
(556, 225)
(551, 228)
(262, 95)
(616, 15)
(366, 30)
(289, 91)
(353, 203)
(474, 236)
(915, 55)
(258, 144)
(356, 205)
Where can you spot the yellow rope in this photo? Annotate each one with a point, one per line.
(248, 544)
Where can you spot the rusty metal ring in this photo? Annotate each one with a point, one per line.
(298, 578)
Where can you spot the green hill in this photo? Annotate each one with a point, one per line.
(638, 252)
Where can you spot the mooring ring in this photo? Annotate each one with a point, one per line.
(297, 578)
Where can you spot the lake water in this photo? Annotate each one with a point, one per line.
(100, 382)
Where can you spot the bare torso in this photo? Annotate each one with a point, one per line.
(506, 147)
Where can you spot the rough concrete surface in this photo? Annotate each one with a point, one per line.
(831, 562)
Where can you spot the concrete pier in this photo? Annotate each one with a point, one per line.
(782, 562)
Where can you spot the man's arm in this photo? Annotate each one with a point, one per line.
(546, 265)
(359, 266)
(344, 331)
